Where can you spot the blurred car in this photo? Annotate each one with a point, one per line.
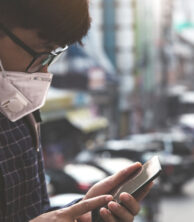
(186, 123)
(82, 173)
(85, 174)
(109, 165)
(176, 156)
(132, 150)
(59, 182)
(176, 143)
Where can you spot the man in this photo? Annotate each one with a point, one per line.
(32, 34)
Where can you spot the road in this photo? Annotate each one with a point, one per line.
(180, 207)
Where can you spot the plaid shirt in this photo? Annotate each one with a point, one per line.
(23, 194)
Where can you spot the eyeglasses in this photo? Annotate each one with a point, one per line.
(39, 59)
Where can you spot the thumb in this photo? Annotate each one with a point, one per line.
(87, 205)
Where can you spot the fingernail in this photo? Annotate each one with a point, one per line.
(109, 198)
(138, 163)
(104, 211)
(113, 204)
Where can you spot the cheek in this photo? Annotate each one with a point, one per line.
(14, 62)
(13, 58)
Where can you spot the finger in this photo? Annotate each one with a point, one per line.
(130, 203)
(107, 216)
(87, 205)
(120, 212)
(139, 196)
(118, 178)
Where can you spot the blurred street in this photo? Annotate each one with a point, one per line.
(178, 207)
(125, 96)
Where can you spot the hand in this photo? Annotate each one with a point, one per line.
(128, 210)
(130, 205)
(70, 214)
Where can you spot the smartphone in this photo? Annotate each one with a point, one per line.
(149, 171)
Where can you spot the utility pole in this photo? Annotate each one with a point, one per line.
(165, 59)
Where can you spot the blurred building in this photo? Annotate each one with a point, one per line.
(148, 46)
(114, 29)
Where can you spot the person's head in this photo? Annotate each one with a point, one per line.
(43, 25)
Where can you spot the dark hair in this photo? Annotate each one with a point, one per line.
(61, 22)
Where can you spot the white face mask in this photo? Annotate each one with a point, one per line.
(22, 93)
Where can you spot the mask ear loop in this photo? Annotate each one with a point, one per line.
(2, 69)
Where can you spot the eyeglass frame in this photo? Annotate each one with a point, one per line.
(30, 51)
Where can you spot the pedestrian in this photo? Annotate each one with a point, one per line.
(33, 33)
